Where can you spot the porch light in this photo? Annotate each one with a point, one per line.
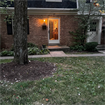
(44, 25)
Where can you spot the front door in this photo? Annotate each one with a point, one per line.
(53, 30)
(93, 33)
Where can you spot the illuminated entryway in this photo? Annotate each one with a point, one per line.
(53, 30)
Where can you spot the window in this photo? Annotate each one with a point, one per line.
(88, 1)
(53, 0)
(93, 26)
(10, 27)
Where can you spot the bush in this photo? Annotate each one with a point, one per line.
(33, 51)
(78, 48)
(37, 51)
(7, 53)
(45, 51)
(31, 45)
(91, 46)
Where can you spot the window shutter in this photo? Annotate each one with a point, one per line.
(9, 27)
(28, 26)
(87, 1)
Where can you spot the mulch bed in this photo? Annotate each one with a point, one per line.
(32, 71)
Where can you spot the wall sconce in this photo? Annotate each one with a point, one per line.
(44, 27)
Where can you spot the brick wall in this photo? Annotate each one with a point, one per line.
(39, 36)
(6, 40)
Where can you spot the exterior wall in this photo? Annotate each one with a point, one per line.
(103, 33)
(6, 40)
(39, 36)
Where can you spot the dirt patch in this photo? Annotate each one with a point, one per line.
(32, 71)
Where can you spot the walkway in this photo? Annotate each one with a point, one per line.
(60, 54)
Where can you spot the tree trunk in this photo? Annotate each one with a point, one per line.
(20, 32)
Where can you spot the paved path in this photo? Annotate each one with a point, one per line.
(60, 54)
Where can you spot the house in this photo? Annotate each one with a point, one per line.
(49, 23)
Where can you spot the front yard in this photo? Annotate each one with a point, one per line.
(77, 81)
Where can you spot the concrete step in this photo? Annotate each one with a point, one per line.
(58, 48)
(101, 47)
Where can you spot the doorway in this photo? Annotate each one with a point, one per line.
(53, 30)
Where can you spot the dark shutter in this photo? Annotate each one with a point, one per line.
(9, 27)
(28, 26)
(87, 1)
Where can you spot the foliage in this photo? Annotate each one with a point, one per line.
(78, 35)
(91, 46)
(77, 81)
(34, 50)
(37, 51)
(31, 45)
(77, 48)
(45, 51)
(6, 53)
(31, 51)
(87, 13)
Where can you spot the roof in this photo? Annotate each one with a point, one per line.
(44, 4)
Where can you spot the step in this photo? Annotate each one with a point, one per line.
(58, 48)
(101, 47)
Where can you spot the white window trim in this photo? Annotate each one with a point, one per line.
(53, 0)
(90, 1)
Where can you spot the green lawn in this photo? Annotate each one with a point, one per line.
(77, 81)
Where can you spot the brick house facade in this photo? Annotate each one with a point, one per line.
(53, 15)
(38, 16)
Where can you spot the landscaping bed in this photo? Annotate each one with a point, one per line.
(32, 71)
(76, 81)
(32, 50)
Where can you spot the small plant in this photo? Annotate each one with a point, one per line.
(31, 45)
(91, 46)
(33, 51)
(43, 46)
(77, 48)
(6, 53)
(45, 51)
(37, 51)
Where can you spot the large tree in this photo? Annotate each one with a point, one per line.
(20, 32)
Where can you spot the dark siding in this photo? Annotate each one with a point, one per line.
(44, 4)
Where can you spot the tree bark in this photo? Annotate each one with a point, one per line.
(20, 32)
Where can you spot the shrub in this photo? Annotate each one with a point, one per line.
(91, 46)
(7, 53)
(45, 51)
(37, 51)
(31, 45)
(33, 51)
(78, 48)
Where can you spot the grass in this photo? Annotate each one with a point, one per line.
(77, 81)
(83, 52)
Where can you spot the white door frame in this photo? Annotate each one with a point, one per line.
(98, 31)
(54, 41)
